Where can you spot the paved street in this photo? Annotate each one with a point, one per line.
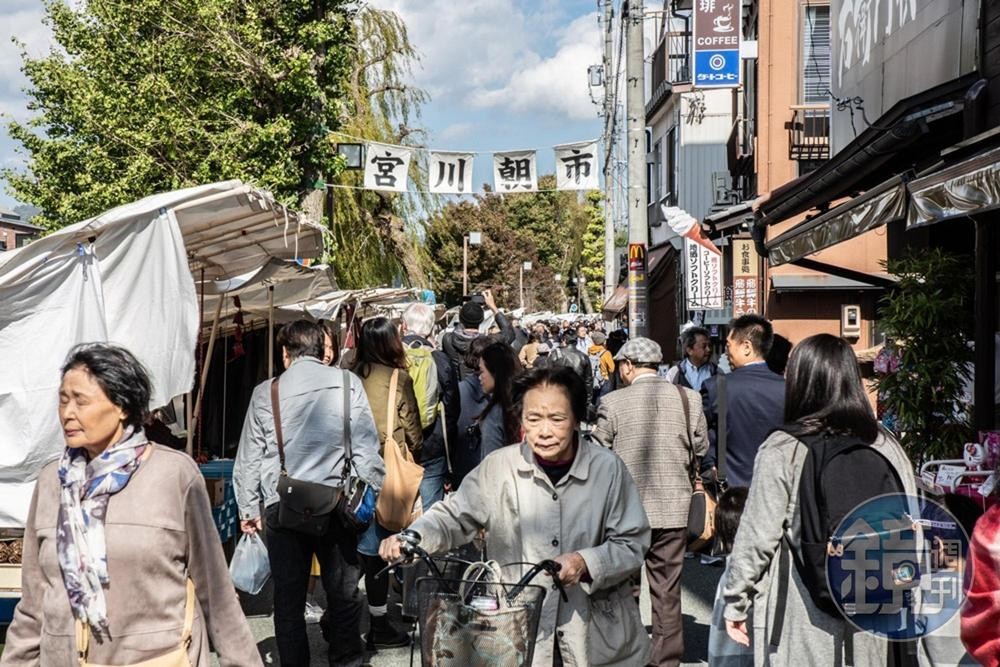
(699, 582)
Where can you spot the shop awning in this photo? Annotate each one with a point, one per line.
(969, 187)
(809, 282)
(618, 301)
(878, 206)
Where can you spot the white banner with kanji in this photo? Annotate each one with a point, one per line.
(450, 173)
(746, 278)
(386, 167)
(702, 277)
(576, 166)
(515, 171)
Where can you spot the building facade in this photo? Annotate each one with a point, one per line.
(15, 232)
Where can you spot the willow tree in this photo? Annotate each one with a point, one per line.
(374, 242)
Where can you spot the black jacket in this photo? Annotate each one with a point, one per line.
(573, 358)
(456, 343)
(756, 398)
(433, 446)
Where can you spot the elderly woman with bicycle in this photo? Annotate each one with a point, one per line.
(555, 497)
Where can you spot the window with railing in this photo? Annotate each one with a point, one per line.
(809, 127)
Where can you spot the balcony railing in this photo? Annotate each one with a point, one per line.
(809, 132)
(672, 59)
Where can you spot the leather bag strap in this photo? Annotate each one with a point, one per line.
(276, 410)
(721, 429)
(693, 472)
(347, 425)
(390, 411)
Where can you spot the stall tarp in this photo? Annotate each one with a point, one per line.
(124, 277)
(132, 287)
(293, 283)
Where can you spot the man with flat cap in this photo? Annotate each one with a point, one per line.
(654, 425)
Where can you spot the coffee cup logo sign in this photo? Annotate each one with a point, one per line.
(717, 33)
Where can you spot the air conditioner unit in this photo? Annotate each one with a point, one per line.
(850, 321)
(721, 192)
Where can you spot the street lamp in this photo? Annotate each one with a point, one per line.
(353, 153)
(525, 266)
(474, 238)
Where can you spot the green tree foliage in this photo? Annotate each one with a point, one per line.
(927, 318)
(545, 228)
(151, 95)
(592, 254)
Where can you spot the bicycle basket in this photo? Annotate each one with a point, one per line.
(410, 575)
(484, 626)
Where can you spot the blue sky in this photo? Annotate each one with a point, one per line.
(501, 74)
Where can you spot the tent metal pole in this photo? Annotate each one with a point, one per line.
(207, 364)
(270, 331)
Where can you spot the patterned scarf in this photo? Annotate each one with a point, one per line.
(86, 488)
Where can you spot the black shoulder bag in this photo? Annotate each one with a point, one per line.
(304, 507)
(356, 504)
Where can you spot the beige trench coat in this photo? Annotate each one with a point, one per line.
(595, 510)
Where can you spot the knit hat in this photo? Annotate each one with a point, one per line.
(598, 338)
(471, 315)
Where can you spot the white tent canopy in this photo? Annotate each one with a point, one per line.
(124, 277)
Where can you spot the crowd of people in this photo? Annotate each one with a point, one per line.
(561, 441)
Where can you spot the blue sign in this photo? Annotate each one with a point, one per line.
(717, 69)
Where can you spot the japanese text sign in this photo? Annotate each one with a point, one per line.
(717, 34)
(746, 278)
(386, 167)
(702, 277)
(576, 166)
(515, 172)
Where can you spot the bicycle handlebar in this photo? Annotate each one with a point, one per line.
(412, 550)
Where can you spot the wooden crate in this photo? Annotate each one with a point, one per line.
(10, 579)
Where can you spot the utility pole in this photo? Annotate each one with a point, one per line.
(610, 275)
(465, 265)
(638, 232)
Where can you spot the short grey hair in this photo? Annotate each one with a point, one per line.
(419, 319)
(690, 336)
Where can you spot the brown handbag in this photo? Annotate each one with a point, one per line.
(701, 513)
(399, 500)
(176, 658)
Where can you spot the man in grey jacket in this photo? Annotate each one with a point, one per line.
(311, 400)
(656, 428)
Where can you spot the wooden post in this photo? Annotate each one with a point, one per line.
(270, 331)
(196, 417)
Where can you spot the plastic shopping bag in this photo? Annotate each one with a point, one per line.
(250, 567)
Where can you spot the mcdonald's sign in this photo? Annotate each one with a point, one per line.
(636, 257)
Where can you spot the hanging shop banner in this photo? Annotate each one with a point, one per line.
(702, 277)
(515, 172)
(576, 166)
(717, 33)
(386, 167)
(450, 173)
(746, 278)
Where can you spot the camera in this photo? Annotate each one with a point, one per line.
(478, 299)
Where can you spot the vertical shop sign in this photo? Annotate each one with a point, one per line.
(718, 29)
(637, 288)
(746, 278)
(702, 277)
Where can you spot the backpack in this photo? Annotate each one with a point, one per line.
(595, 367)
(839, 474)
(423, 371)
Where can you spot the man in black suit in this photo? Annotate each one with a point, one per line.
(752, 400)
